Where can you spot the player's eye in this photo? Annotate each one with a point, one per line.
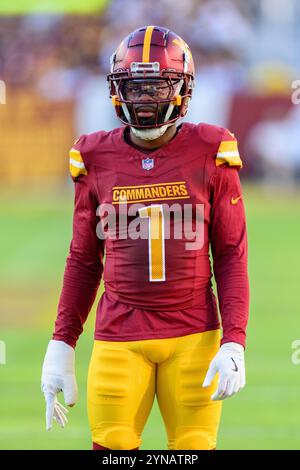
(134, 90)
(155, 89)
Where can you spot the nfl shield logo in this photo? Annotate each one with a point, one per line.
(148, 163)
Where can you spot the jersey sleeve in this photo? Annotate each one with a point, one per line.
(84, 263)
(228, 238)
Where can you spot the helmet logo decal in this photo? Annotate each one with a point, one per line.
(186, 51)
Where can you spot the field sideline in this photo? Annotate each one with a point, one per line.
(35, 235)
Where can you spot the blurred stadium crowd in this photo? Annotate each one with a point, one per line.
(54, 67)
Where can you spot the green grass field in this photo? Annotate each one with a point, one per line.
(36, 228)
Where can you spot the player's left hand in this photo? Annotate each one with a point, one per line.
(229, 362)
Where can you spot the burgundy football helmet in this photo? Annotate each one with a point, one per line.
(151, 78)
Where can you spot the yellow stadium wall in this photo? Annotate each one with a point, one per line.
(35, 137)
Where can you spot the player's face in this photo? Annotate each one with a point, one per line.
(144, 94)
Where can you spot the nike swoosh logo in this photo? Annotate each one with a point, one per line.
(234, 201)
(235, 366)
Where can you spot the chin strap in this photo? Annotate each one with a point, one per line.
(171, 105)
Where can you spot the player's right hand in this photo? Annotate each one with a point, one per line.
(58, 375)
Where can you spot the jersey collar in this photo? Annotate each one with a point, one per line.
(161, 151)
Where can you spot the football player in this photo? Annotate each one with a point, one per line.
(157, 328)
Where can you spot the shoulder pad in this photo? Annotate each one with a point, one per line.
(82, 153)
(221, 143)
(228, 151)
(210, 134)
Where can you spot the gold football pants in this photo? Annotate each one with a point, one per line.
(124, 378)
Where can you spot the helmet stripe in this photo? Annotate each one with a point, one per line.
(147, 44)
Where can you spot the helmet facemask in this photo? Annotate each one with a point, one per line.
(148, 105)
(147, 101)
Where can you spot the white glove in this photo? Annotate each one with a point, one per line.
(58, 375)
(230, 364)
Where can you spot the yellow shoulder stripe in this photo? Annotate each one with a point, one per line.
(228, 153)
(228, 146)
(77, 167)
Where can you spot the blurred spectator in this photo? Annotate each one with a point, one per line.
(240, 48)
(220, 24)
(276, 144)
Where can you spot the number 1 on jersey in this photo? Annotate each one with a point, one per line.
(156, 241)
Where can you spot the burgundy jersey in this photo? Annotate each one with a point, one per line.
(158, 285)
